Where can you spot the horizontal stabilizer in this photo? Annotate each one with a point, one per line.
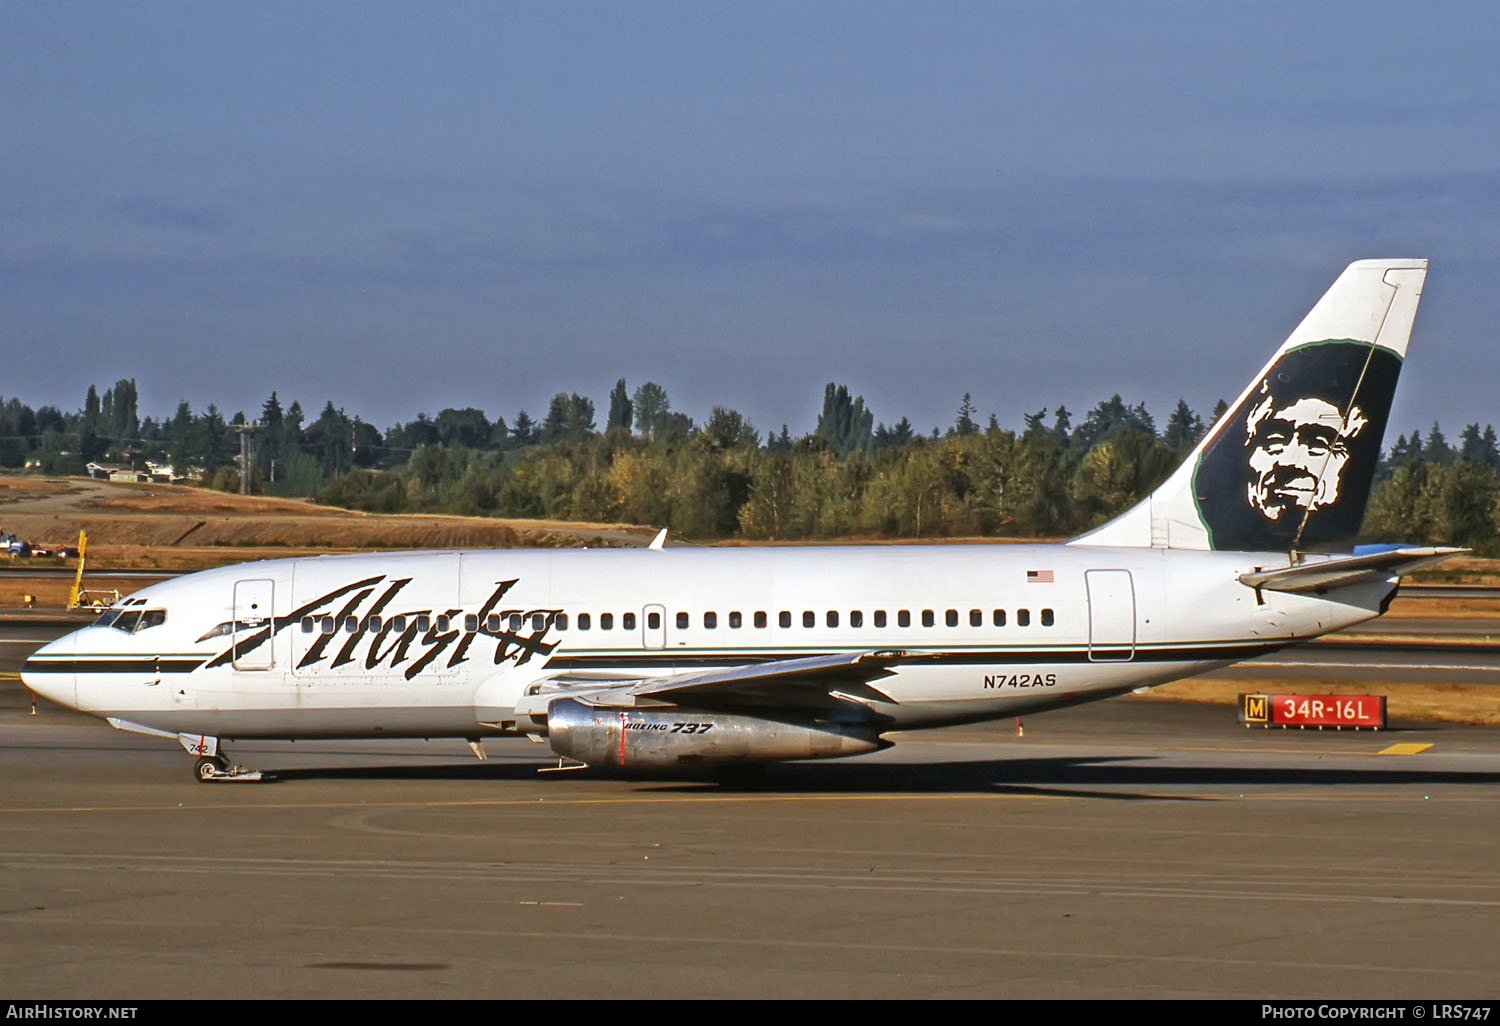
(1346, 570)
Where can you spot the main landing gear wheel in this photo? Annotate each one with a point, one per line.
(209, 767)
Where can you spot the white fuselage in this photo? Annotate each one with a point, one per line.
(458, 644)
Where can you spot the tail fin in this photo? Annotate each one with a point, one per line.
(1289, 466)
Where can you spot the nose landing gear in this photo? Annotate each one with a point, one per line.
(213, 766)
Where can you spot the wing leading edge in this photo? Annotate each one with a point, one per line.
(810, 683)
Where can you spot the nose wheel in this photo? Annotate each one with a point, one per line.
(211, 768)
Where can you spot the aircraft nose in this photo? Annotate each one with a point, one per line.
(49, 671)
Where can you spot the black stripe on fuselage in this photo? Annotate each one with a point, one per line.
(117, 665)
(1189, 653)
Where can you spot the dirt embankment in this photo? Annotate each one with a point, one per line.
(181, 528)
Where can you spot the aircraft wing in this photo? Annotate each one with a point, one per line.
(813, 682)
(1346, 570)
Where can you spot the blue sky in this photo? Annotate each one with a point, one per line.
(402, 207)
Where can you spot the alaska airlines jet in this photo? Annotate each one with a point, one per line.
(662, 658)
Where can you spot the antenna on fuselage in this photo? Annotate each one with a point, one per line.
(659, 540)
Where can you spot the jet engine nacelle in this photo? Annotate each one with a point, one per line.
(671, 738)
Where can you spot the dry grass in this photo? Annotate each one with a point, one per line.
(1453, 703)
(181, 528)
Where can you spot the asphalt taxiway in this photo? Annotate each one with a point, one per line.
(1131, 848)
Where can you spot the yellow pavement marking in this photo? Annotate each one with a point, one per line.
(1409, 748)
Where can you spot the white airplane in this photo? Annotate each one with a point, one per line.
(660, 658)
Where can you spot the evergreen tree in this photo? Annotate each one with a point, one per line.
(964, 424)
(845, 424)
(1184, 428)
(1062, 426)
(620, 408)
(525, 431)
(1436, 450)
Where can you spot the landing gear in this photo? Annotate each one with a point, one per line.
(211, 768)
(213, 765)
(214, 769)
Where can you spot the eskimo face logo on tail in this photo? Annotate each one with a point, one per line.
(1294, 464)
(1297, 453)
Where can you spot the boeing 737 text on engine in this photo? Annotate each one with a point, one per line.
(667, 658)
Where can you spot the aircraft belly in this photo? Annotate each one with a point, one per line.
(936, 696)
(294, 723)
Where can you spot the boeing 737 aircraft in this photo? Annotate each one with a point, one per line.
(664, 658)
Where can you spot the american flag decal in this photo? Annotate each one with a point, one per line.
(1039, 577)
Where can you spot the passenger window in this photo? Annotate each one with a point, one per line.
(880, 618)
(735, 621)
(326, 625)
(491, 623)
(927, 618)
(999, 618)
(760, 618)
(424, 624)
(538, 621)
(809, 618)
(442, 623)
(1046, 618)
(584, 622)
(351, 625)
(856, 618)
(903, 618)
(951, 618)
(471, 623)
(1023, 618)
(682, 621)
(785, 619)
(606, 621)
(710, 620)
(976, 618)
(653, 621)
(561, 619)
(372, 624)
(833, 618)
(516, 619)
(307, 625)
(627, 620)
(398, 624)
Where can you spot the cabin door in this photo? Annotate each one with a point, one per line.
(1111, 615)
(253, 634)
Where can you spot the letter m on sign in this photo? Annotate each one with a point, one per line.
(1255, 708)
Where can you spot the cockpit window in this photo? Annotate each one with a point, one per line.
(106, 618)
(152, 618)
(127, 620)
